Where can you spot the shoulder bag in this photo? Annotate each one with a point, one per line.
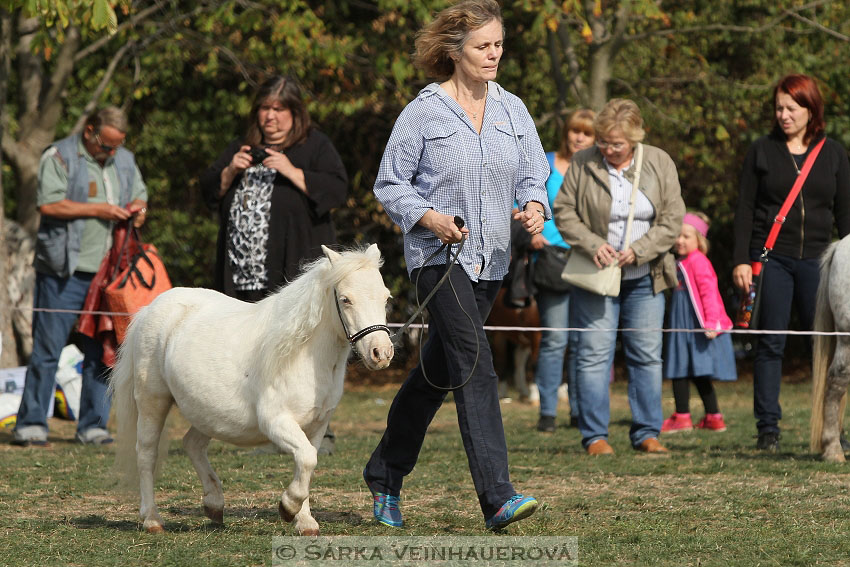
(581, 271)
(548, 268)
(748, 311)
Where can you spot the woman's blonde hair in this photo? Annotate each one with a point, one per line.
(620, 114)
(580, 120)
(441, 42)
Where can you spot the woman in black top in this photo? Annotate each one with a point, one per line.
(792, 273)
(274, 188)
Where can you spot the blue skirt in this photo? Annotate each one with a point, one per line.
(689, 355)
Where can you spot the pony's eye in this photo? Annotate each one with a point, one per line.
(345, 300)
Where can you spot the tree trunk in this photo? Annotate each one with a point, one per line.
(40, 108)
(8, 354)
(608, 38)
(600, 75)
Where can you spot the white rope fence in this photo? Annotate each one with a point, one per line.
(518, 329)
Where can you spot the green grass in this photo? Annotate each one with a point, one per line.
(713, 501)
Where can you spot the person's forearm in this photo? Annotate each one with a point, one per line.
(296, 176)
(67, 209)
(228, 174)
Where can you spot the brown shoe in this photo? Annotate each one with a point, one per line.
(600, 447)
(652, 445)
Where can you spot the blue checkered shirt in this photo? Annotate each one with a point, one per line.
(435, 159)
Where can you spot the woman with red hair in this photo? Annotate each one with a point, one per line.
(792, 274)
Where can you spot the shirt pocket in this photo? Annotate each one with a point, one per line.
(507, 145)
(442, 146)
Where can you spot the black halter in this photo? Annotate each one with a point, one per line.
(362, 332)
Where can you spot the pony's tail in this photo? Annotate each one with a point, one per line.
(823, 349)
(122, 386)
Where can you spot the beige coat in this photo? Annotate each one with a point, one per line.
(582, 209)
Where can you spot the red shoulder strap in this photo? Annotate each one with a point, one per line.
(792, 196)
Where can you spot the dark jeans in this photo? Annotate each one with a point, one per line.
(50, 332)
(786, 281)
(448, 357)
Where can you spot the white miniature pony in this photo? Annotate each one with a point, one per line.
(248, 374)
(831, 363)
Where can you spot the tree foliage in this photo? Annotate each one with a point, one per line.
(701, 70)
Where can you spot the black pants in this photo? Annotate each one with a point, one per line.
(682, 394)
(448, 356)
(786, 281)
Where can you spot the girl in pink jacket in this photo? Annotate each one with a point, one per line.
(698, 357)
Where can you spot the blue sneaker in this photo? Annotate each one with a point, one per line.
(385, 508)
(517, 508)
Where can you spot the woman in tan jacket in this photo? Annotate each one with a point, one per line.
(591, 212)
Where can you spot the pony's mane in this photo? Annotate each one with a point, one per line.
(296, 309)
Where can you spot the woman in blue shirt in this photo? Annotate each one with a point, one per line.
(554, 305)
(463, 147)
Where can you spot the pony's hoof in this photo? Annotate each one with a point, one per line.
(155, 529)
(310, 532)
(214, 514)
(286, 516)
(833, 457)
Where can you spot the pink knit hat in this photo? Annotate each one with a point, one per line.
(696, 222)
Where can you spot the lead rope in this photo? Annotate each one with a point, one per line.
(450, 261)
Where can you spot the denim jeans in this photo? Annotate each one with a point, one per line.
(786, 281)
(635, 308)
(449, 355)
(555, 312)
(50, 335)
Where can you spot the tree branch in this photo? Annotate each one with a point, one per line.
(663, 113)
(51, 101)
(576, 82)
(132, 22)
(9, 149)
(555, 64)
(772, 23)
(819, 26)
(621, 22)
(91, 105)
(227, 52)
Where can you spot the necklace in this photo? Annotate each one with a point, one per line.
(794, 161)
(480, 106)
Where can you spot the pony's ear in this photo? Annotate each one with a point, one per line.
(330, 254)
(373, 252)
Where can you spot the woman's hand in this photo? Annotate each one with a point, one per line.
(605, 256)
(279, 162)
(240, 161)
(742, 276)
(443, 227)
(627, 257)
(538, 242)
(710, 334)
(532, 218)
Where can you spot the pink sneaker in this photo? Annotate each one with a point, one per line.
(712, 421)
(677, 422)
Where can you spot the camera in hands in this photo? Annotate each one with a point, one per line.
(258, 155)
